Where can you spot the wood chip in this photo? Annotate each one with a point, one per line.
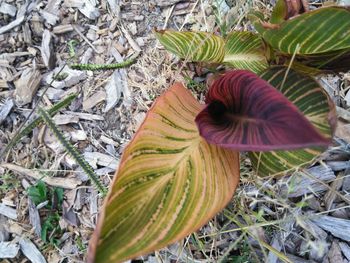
(346, 183)
(72, 77)
(7, 9)
(132, 17)
(27, 36)
(343, 114)
(347, 98)
(31, 251)
(89, 10)
(46, 50)
(5, 109)
(93, 100)
(114, 7)
(331, 193)
(164, 3)
(8, 249)
(96, 158)
(62, 119)
(4, 234)
(339, 165)
(27, 85)
(341, 210)
(317, 249)
(86, 56)
(67, 183)
(53, 94)
(277, 245)
(93, 203)
(343, 130)
(314, 230)
(4, 84)
(86, 116)
(8, 211)
(86, 40)
(109, 141)
(78, 135)
(49, 18)
(116, 85)
(338, 227)
(296, 259)
(69, 215)
(51, 11)
(61, 29)
(345, 248)
(334, 254)
(131, 41)
(37, 25)
(34, 217)
(302, 184)
(13, 24)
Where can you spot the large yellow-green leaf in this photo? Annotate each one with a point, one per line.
(317, 107)
(318, 31)
(170, 183)
(193, 46)
(245, 50)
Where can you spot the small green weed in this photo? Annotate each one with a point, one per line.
(244, 256)
(50, 229)
(38, 193)
(193, 85)
(8, 182)
(80, 244)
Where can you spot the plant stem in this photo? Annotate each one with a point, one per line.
(52, 111)
(73, 152)
(95, 67)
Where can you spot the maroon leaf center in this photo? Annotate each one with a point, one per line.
(244, 112)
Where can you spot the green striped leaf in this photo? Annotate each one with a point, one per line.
(193, 46)
(318, 31)
(279, 12)
(317, 107)
(285, 9)
(336, 61)
(304, 69)
(170, 183)
(245, 50)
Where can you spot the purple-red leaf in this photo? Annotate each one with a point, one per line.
(246, 113)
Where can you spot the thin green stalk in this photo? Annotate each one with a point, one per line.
(52, 111)
(73, 152)
(95, 67)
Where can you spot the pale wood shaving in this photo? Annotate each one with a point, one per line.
(67, 183)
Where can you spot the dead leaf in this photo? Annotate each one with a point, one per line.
(343, 130)
(67, 183)
(27, 85)
(31, 251)
(116, 85)
(47, 50)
